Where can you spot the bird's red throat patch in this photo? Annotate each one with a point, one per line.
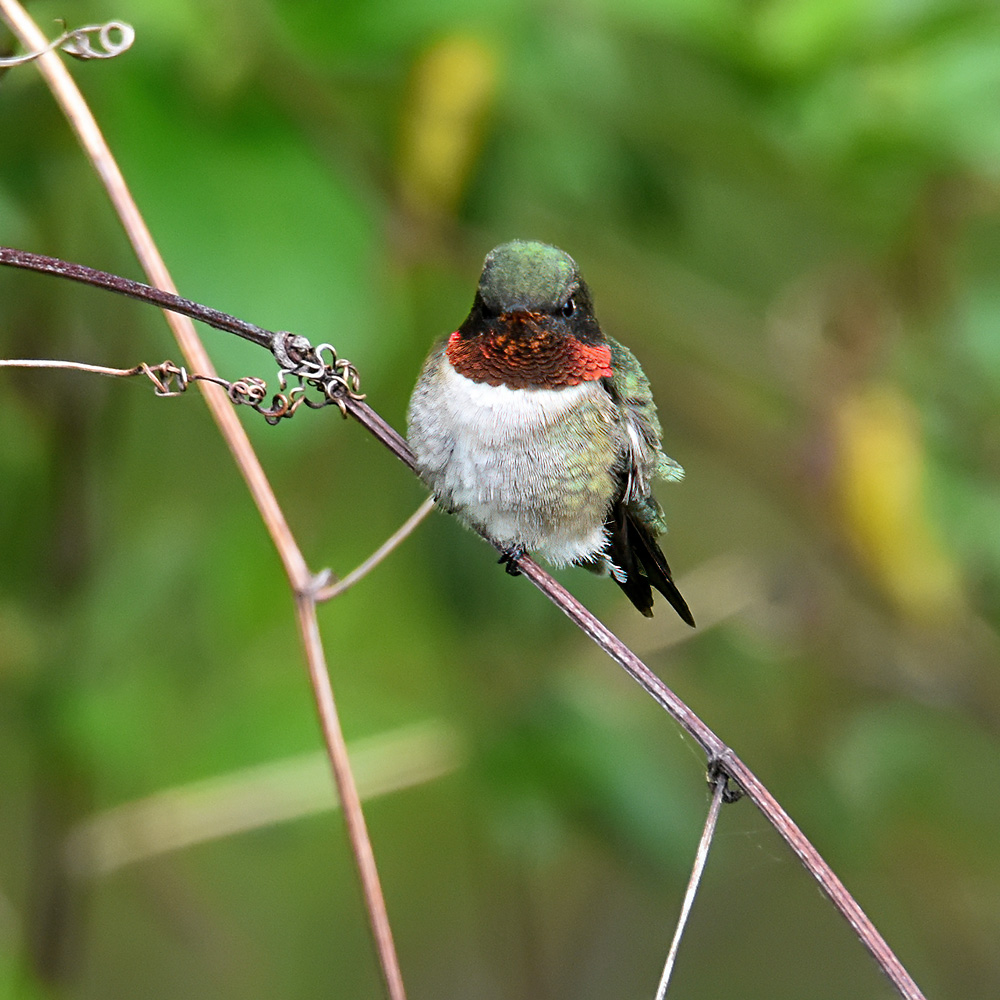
(526, 355)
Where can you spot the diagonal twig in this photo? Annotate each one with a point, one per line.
(170, 301)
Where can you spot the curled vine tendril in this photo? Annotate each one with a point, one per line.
(171, 380)
(336, 379)
(112, 40)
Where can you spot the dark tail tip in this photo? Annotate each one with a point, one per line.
(677, 602)
(635, 550)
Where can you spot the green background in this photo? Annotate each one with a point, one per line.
(790, 210)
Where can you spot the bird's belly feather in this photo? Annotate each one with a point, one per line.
(526, 467)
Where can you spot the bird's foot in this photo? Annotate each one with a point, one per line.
(509, 560)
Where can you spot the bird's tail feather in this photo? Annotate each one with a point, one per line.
(635, 551)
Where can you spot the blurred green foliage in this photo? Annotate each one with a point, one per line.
(790, 210)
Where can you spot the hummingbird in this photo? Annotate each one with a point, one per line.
(539, 431)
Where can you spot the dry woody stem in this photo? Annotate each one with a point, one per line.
(71, 101)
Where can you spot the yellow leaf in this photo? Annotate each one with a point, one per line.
(879, 481)
(452, 89)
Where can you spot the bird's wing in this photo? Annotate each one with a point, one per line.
(635, 518)
(643, 460)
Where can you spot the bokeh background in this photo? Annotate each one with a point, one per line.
(790, 210)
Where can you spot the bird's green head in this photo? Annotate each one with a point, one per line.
(532, 323)
(527, 276)
(529, 281)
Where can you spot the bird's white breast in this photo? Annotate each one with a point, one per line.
(519, 464)
(494, 410)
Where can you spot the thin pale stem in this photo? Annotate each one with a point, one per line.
(389, 545)
(69, 98)
(167, 378)
(77, 366)
(701, 856)
(350, 800)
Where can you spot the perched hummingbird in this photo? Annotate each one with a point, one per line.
(540, 432)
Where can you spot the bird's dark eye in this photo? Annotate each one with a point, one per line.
(568, 308)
